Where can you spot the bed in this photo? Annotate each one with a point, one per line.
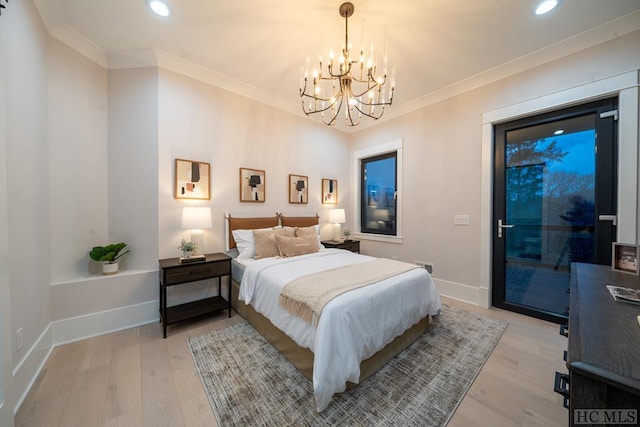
(356, 334)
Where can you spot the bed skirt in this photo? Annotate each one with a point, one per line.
(302, 358)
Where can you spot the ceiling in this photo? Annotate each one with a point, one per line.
(257, 48)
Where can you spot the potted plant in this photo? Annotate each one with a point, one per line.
(108, 256)
(187, 248)
(346, 233)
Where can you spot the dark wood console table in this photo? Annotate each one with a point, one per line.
(604, 344)
(173, 273)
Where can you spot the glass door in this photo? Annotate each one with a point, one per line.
(554, 204)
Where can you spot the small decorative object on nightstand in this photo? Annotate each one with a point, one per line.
(173, 273)
(350, 245)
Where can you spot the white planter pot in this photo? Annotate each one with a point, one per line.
(109, 268)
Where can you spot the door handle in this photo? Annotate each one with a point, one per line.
(612, 218)
(501, 226)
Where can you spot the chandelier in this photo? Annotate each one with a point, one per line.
(352, 82)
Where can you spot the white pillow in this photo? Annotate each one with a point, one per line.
(246, 243)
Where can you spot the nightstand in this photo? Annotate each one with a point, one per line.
(350, 245)
(174, 273)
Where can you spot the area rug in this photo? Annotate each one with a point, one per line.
(249, 383)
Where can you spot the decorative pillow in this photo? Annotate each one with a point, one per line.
(294, 246)
(265, 244)
(313, 230)
(286, 231)
(245, 242)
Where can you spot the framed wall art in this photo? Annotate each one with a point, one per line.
(252, 185)
(625, 258)
(298, 189)
(329, 191)
(193, 180)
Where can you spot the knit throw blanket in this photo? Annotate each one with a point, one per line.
(306, 296)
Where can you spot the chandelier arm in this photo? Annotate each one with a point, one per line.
(372, 116)
(372, 80)
(350, 114)
(336, 76)
(334, 115)
(316, 98)
(364, 95)
(315, 109)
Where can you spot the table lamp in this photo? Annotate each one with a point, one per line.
(336, 217)
(196, 219)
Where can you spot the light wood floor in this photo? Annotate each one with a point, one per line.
(136, 378)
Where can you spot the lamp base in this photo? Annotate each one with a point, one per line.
(337, 232)
(197, 237)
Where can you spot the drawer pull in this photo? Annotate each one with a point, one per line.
(561, 386)
(565, 355)
(564, 329)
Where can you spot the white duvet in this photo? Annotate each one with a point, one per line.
(353, 326)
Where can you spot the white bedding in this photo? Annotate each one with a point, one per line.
(353, 326)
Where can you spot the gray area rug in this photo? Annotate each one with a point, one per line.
(250, 384)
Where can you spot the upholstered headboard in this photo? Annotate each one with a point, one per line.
(248, 224)
(298, 221)
(265, 222)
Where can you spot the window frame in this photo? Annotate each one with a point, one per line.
(367, 153)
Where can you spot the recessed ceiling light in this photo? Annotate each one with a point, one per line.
(159, 7)
(559, 132)
(546, 6)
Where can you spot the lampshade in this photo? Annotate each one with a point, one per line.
(196, 218)
(336, 216)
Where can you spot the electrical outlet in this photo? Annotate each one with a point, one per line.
(19, 338)
(461, 219)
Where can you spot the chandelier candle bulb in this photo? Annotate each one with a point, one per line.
(386, 40)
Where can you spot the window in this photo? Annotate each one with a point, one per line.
(378, 194)
(378, 204)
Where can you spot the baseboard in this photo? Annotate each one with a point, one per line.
(459, 291)
(27, 370)
(73, 329)
(90, 325)
(484, 297)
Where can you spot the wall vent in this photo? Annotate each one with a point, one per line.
(426, 265)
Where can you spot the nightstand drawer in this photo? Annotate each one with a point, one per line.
(352, 246)
(191, 273)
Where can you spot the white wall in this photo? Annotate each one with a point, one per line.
(6, 355)
(443, 161)
(201, 122)
(78, 180)
(27, 172)
(133, 165)
(125, 204)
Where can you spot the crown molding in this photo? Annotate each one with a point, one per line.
(53, 18)
(611, 30)
(54, 21)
